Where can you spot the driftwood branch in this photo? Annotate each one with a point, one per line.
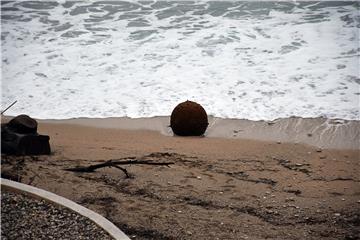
(116, 163)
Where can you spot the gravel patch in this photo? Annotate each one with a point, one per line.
(28, 218)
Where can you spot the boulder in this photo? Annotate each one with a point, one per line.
(23, 124)
(189, 119)
(20, 137)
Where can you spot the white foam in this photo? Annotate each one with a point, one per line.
(286, 63)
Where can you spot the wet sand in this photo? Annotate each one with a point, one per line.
(320, 132)
(217, 188)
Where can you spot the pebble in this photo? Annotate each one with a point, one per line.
(198, 177)
(23, 217)
(337, 214)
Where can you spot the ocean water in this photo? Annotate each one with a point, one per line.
(252, 60)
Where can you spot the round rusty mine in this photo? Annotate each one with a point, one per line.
(189, 119)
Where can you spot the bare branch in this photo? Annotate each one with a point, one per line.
(115, 163)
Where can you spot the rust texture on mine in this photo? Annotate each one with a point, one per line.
(189, 119)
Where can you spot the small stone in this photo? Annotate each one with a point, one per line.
(198, 177)
(343, 199)
(337, 214)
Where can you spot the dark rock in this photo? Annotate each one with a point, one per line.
(23, 124)
(189, 119)
(20, 137)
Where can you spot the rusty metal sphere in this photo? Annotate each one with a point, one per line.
(189, 119)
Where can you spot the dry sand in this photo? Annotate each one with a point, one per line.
(217, 188)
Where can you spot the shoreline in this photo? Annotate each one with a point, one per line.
(216, 187)
(318, 132)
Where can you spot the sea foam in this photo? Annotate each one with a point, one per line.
(252, 60)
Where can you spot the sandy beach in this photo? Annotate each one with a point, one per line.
(217, 188)
(276, 83)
